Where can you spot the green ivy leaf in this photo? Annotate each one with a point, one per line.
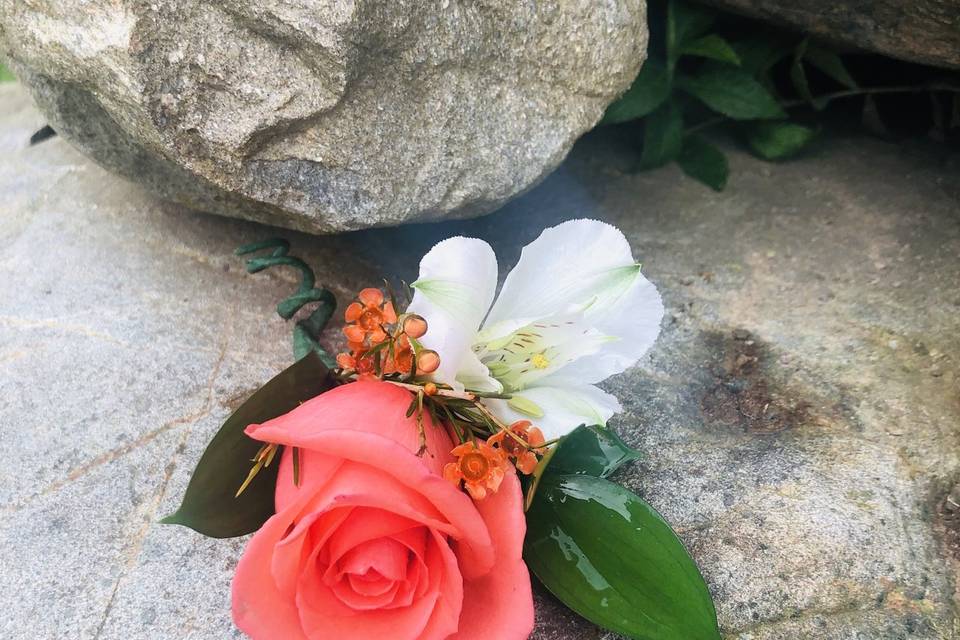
(209, 505)
(611, 557)
(663, 136)
(732, 92)
(704, 162)
(778, 140)
(647, 92)
(593, 451)
(711, 46)
(831, 64)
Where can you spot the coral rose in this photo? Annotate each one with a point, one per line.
(374, 543)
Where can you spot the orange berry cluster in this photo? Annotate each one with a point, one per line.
(379, 341)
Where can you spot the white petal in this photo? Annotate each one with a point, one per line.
(475, 376)
(634, 319)
(458, 278)
(539, 349)
(580, 264)
(564, 408)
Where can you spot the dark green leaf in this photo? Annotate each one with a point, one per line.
(610, 557)
(648, 92)
(685, 22)
(704, 162)
(732, 92)
(757, 55)
(209, 505)
(831, 64)
(662, 137)
(777, 140)
(711, 46)
(592, 451)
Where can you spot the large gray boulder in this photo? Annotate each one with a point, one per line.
(326, 115)
(926, 31)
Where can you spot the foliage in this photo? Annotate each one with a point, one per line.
(606, 553)
(705, 69)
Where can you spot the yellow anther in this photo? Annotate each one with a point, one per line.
(540, 361)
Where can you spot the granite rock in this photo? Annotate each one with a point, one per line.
(326, 115)
(926, 31)
(799, 412)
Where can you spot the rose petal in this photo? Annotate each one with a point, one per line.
(500, 604)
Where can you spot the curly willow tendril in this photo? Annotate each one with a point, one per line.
(306, 332)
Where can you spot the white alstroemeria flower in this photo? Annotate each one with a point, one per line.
(573, 312)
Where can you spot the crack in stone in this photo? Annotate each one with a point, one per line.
(136, 545)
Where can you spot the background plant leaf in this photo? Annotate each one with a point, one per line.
(209, 506)
(704, 162)
(732, 92)
(758, 54)
(612, 558)
(831, 64)
(593, 451)
(711, 46)
(778, 140)
(648, 91)
(663, 136)
(686, 22)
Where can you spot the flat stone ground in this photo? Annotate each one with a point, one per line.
(800, 412)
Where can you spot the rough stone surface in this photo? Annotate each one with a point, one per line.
(926, 31)
(800, 411)
(326, 115)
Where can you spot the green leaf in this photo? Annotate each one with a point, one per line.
(6, 75)
(609, 556)
(592, 451)
(647, 92)
(209, 505)
(732, 92)
(711, 46)
(757, 55)
(685, 22)
(663, 136)
(704, 162)
(831, 64)
(777, 140)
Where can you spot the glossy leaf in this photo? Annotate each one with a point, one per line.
(663, 136)
(732, 92)
(609, 556)
(647, 92)
(711, 46)
(209, 505)
(778, 140)
(704, 162)
(591, 451)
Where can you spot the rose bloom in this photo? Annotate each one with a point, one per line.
(374, 543)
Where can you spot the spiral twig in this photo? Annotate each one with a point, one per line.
(306, 332)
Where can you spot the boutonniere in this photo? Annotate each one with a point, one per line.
(404, 488)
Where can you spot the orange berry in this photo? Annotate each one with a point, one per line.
(430, 389)
(414, 326)
(427, 361)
